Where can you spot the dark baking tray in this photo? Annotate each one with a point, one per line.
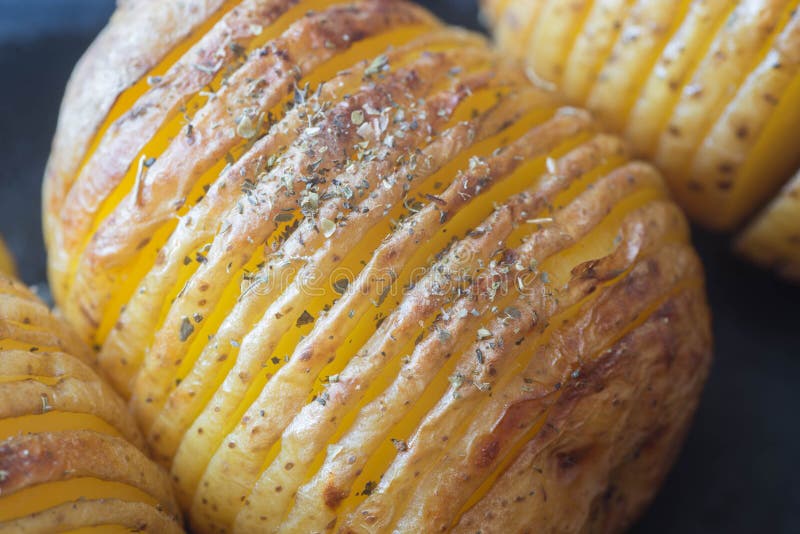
(739, 470)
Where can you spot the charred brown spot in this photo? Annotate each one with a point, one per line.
(586, 270)
(333, 496)
(487, 452)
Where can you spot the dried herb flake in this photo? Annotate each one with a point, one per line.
(305, 318)
(187, 328)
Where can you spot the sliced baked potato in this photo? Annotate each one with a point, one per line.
(68, 445)
(354, 272)
(707, 89)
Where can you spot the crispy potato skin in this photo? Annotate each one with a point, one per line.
(40, 458)
(380, 282)
(141, 33)
(41, 378)
(632, 407)
(708, 90)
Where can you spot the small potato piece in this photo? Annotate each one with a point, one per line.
(367, 273)
(68, 445)
(7, 264)
(709, 90)
(773, 239)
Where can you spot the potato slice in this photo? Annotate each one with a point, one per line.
(366, 269)
(62, 384)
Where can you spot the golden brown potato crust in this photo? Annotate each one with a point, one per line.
(357, 274)
(75, 388)
(60, 423)
(140, 34)
(708, 90)
(610, 437)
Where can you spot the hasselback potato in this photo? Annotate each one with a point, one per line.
(68, 458)
(707, 89)
(355, 273)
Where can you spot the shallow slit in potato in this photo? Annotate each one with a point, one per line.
(662, 92)
(590, 50)
(128, 98)
(54, 421)
(615, 90)
(551, 43)
(40, 497)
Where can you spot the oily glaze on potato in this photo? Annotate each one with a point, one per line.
(355, 273)
(709, 90)
(68, 445)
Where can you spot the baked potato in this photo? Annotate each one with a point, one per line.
(773, 239)
(707, 89)
(354, 272)
(68, 445)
